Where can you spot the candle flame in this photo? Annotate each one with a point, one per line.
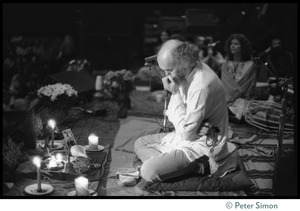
(51, 123)
(37, 161)
(93, 137)
(59, 157)
(52, 163)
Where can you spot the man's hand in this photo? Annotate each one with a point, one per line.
(169, 84)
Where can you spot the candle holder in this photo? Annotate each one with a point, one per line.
(33, 189)
(98, 94)
(38, 188)
(47, 148)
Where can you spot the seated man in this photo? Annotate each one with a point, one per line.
(197, 96)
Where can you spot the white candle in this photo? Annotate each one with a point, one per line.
(99, 83)
(59, 157)
(37, 162)
(93, 141)
(51, 123)
(81, 186)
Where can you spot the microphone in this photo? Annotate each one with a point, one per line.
(213, 44)
(149, 60)
(99, 112)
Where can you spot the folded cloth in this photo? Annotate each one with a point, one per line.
(128, 176)
(127, 180)
(130, 172)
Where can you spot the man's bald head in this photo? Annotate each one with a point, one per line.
(164, 57)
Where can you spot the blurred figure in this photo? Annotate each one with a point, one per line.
(277, 59)
(177, 36)
(200, 41)
(163, 37)
(17, 87)
(211, 56)
(67, 50)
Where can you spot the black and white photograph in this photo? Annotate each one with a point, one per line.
(187, 100)
(69, 138)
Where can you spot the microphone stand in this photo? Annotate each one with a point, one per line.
(165, 109)
(150, 63)
(258, 62)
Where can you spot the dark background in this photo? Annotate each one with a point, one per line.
(111, 35)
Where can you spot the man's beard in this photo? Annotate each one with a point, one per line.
(180, 74)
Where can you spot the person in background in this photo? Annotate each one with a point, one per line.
(177, 36)
(277, 59)
(197, 101)
(164, 35)
(200, 41)
(239, 74)
(238, 71)
(66, 51)
(211, 56)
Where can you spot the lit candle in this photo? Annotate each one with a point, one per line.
(59, 157)
(81, 186)
(52, 164)
(51, 123)
(93, 141)
(37, 162)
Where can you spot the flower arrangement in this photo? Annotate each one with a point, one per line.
(117, 82)
(50, 101)
(57, 95)
(117, 87)
(53, 91)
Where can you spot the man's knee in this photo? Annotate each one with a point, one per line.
(137, 144)
(149, 171)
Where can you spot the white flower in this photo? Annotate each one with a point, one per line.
(54, 90)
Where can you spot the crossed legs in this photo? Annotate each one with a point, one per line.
(159, 166)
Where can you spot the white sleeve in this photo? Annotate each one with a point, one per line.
(186, 119)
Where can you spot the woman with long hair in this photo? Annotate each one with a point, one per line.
(238, 72)
(239, 76)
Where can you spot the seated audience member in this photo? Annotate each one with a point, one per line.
(210, 56)
(17, 86)
(278, 60)
(239, 80)
(163, 37)
(177, 36)
(66, 51)
(197, 97)
(238, 71)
